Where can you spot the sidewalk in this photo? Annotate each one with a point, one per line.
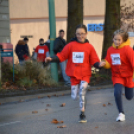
(26, 96)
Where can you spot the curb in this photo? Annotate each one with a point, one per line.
(24, 98)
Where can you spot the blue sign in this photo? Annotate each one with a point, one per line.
(7, 54)
(95, 27)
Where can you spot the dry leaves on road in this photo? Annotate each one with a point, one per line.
(63, 105)
(34, 112)
(96, 127)
(64, 126)
(110, 104)
(48, 105)
(49, 96)
(104, 105)
(46, 109)
(55, 121)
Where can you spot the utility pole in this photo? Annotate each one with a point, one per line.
(52, 25)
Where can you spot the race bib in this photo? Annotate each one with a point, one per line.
(116, 59)
(78, 57)
(41, 51)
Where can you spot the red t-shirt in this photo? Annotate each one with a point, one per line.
(41, 52)
(80, 59)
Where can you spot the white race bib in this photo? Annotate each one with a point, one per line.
(78, 57)
(41, 51)
(116, 59)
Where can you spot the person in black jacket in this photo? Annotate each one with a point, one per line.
(59, 44)
(21, 51)
(26, 46)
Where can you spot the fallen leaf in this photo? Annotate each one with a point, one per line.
(61, 126)
(63, 104)
(49, 96)
(96, 127)
(54, 95)
(46, 109)
(109, 103)
(39, 97)
(34, 112)
(104, 105)
(0, 103)
(105, 113)
(54, 121)
(123, 94)
(62, 94)
(61, 121)
(48, 105)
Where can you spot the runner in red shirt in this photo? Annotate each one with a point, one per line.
(120, 58)
(41, 51)
(81, 56)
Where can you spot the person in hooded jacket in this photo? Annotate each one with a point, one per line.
(81, 57)
(21, 52)
(120, 58)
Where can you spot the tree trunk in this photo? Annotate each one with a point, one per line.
(75, 17)
(112, 23)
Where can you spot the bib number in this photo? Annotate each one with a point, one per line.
(41, 51)
(116, 59)
(78, 57)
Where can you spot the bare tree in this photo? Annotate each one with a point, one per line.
(75, 17)
(112, 23)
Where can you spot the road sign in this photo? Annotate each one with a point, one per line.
(6, 54)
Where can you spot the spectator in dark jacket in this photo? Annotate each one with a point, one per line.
(59, 44)
(21, 51)
(26, 45)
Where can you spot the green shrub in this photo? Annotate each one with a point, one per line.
(28, 75)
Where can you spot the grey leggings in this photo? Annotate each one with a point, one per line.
(118, 96)
(80, 89)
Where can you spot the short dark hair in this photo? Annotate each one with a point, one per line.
(49, 37)
(81, 26)
(25, 39)
(41, 39)
(61, 31)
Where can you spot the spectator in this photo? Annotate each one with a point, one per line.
(21, 51)
(59, 44)
(26, 46)
(41, 52)
(47, 43)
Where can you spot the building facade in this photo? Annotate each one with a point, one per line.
(30, 18)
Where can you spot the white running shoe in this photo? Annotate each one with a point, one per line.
(121, 117)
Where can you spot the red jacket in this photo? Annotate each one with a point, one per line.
(80, 59)
(121, 60)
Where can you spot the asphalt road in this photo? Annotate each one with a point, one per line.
(101, 112)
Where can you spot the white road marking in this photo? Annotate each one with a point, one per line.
(10, 123)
